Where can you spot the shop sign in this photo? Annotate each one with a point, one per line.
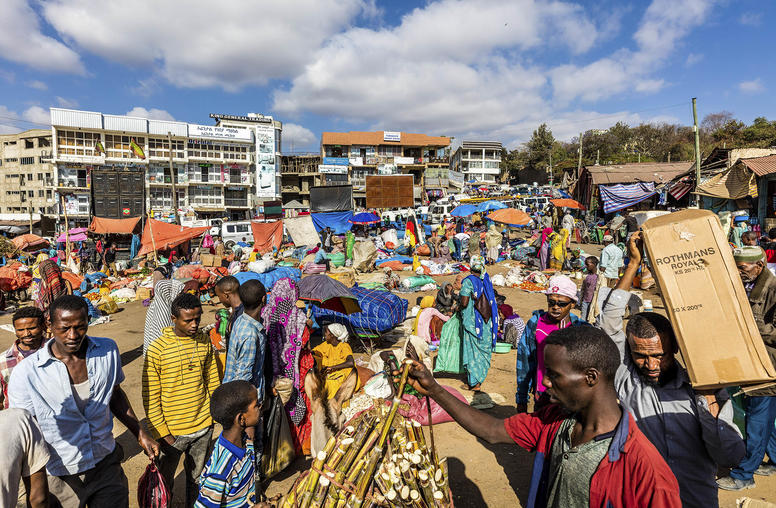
(392, 136)
(403, 160)
(125, 211)
(211, 131)
(242, 118)
(336, 161)
(356, 161)
(455, 178)
(331, 168)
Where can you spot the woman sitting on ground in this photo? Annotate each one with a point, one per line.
(446, 299)
(336, 357)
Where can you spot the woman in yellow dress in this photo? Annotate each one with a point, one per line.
(336, 357)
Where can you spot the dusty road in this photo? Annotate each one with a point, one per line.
(480, 474)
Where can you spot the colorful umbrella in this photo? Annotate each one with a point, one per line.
(463, 210)
(364, 218)
(510, 216)
(567, 203)
(489, 205)
(328, 293)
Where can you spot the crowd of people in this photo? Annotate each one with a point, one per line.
(614, 419)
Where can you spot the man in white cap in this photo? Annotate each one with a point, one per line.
(561, 297)
(611, 260)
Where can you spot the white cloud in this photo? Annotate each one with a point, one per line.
(37, 85)
(21, 41)
(201, 43)
(751, 18)
(152, 114)
(67, 103)
(664, 24)
(34, 117)
(753, 86)
(693, 58)
(298, 138)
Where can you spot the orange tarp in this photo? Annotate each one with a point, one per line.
(25, 241)
(510, 216)
(267, 235)
(166, 236)
(116, 226)
(567, 203)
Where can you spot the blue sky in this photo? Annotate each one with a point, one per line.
(473, 69)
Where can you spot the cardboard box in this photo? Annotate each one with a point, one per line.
(210, 260)
(142, 294)
(706, 301)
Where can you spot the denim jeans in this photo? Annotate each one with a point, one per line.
(760, 436)
(584, 309)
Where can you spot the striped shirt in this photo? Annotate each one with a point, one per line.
(245, 355)
(179, 375)
(8, 361)
(228, 478)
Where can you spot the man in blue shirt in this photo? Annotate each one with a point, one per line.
(245, 355)
(71, 387)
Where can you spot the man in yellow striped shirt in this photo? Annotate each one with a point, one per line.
(179, 376)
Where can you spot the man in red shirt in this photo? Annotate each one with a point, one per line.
(589, 451)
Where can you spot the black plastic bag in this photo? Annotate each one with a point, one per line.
(279, 450)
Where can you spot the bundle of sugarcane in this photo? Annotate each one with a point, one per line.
(379, 459)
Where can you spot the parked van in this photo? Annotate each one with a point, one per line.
(233, 232)
(438, 211)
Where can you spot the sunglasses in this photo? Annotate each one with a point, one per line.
(558, 303)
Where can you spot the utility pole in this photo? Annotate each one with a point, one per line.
(597, 156)
(579, 164)
(551, 167)
(172, 179)
(697, 151)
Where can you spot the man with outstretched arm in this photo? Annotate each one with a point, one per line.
(589, 451)
(692, 430)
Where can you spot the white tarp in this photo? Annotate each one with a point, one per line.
(302, 231)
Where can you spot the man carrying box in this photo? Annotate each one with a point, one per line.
(693, 431)
(760, 285)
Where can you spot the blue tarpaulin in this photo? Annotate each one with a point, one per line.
(463, 210)
(380, 311)
(489, 205)
(404, 259)
(268, 279)
(339, 222)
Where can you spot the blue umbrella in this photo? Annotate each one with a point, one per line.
(365, 218)
(463, 210)
(487, 206)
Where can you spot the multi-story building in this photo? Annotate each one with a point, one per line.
(26, 174)
(298, 173)
(351, 156)
(479, 161)
(118, 166)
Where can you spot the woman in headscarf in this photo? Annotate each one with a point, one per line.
(445, 299)
(288, 334)
(558, 249)
(51, 285)
(336, 357)
(159, 314)
(493, 240)
(480, 323)
(544, 248)
(512, 325)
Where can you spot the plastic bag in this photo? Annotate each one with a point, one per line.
(279, 450)
(152, 492)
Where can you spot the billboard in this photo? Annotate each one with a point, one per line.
(211, 131)
(394, 191)
(392, 136)
(331, 198)
(336, 161)
(266, 162)
(329, 168)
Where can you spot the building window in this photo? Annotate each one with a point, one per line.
(40, 193)
(77, 143)
(118, 147)
(204, 149)
(27, 160)
(235, 152)
(389, 150)
(13, 159)
(28, 143)
(205, 197)
(41, 176)
(158, 147)
(48, 194)
(43, 142)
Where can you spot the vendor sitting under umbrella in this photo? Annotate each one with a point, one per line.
(336, 357)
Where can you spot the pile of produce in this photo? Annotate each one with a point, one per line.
(379, 459)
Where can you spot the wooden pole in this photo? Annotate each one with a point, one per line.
(697, 151)
(579, 164)
(153, 241)
(67, 230)
(172, 179)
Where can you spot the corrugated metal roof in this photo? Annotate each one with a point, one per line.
(125, 123)
(658, 172)
(376, 138)
(163, 127)
(74, 118)
(761, 166)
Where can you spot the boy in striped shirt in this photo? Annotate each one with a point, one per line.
(228, 478)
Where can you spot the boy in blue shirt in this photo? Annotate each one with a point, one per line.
(228, 477)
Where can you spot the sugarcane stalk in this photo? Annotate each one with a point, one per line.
(358, 441)
(439, 499)
(407, 475)
(415, 499)
(391, 496)
(367, 445)
(319, 496)
(336, 457)
(425, 487)
(404, 494)
(312, 479)
(419, 434)
(431, 429)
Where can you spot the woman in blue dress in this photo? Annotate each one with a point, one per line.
(479, 334)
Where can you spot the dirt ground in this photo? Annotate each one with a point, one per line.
(480, 474)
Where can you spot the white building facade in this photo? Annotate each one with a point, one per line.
(118, 166)
(479, 161)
